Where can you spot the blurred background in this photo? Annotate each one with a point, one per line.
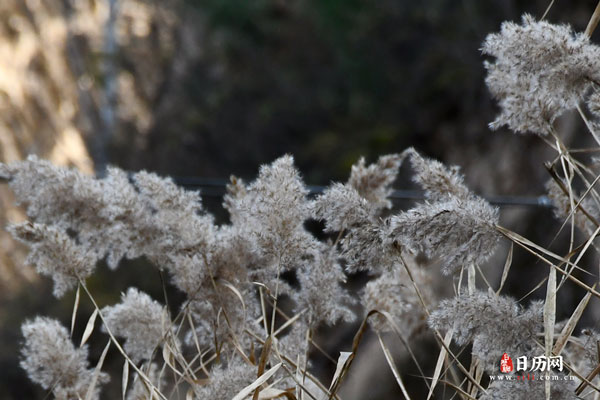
(209, 88)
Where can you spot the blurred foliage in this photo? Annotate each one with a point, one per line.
(326, 80)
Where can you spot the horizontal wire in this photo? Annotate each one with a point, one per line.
(211, 187)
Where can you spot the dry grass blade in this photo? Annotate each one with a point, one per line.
(398, 333)
(341, 364)
(587, 380)
(440, 363)
(261, 289)
(506, 268)
(525, 244)
(593, 21)
(90, 392)
(196, 341)
(264, 357)
(458, 286)
(169, 359)
(485, 280)
(588, 124)
(549, 319)
(536, 287)
(297, 381)
(348, 361)
(141, 373)
(75, 308)
(458, 390)
(460, 366)
(289, 322)
(437, 333)
(567, 330)
(547, 10)
(89, 328)
(261, 379)
(298, 376)
(587, 245)
(478, 375)
(228, 285)
(566, 190)
(390, 361)
(471, 276)
(276, 297)
(283, 359)
(125, 378)
(271, 393)
(515, 237)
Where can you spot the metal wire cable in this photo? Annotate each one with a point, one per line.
(211, 187)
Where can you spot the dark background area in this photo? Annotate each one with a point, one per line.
(218, 87)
